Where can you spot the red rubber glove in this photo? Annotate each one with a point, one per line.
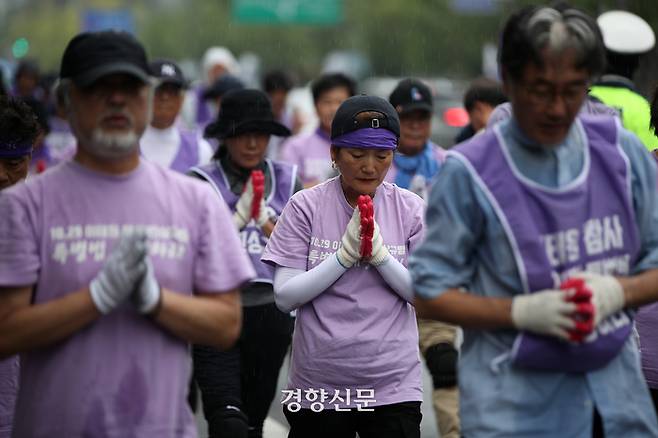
(258, 183)
(367, 212)
(584, 315)
(41, 166)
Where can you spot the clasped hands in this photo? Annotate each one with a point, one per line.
(127, 273)
(571, 312)
(362, 240)
(251, 204)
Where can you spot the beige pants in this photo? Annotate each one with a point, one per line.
(445, 400)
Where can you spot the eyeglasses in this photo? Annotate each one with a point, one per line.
(545, 94)
(102, 88)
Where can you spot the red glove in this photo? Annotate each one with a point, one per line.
(258, 183)
(367, 212)
(584, 316)
(41, 166)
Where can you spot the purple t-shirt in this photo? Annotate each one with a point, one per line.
(358, 334)
(310, 152)
(122, 375)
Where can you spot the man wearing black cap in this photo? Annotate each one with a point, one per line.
(238, 385)
(417, 158)
(110, 265)
(164, 142)
(416, 161)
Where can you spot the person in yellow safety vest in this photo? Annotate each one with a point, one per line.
(626, 37)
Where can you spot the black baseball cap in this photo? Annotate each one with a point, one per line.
(167, 72)
(345, 119)
(411, 94)
(92, 55)
(244, 111)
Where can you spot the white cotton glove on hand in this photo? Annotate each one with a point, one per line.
(147, 295)
(242, 214)
(607, 294)
(544, 312)
(122, 270)
(379, 250)
(263, 217)
(350, 251)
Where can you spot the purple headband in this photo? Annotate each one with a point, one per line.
(10, 150)
(367, 138)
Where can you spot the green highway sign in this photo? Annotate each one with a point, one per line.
(287, 11)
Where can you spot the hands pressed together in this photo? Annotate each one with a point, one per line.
(127, 273)
(362, 240)
(251, 204)
(573, 311)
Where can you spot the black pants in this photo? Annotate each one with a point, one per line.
(242, 380)
(400, 420)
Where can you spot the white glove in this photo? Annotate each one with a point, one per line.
(607, 294)
(545, 312)
(147, 295)
(242, 214)
(263, 217)
(379, 250)
(120, 274)
(350, 252)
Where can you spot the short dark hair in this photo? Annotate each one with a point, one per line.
(27, 66)
(18, 123)
(531, 29)
(277, 80)
(484, 90)
(329, 81)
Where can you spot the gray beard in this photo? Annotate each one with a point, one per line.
(113, 145)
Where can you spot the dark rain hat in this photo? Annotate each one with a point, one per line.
(92, 55)
(167, 72)
(245, 111)
(411, 94)
(222, 85)
(345, 119)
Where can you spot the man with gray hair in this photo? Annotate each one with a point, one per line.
(542, 238)
(110, 265)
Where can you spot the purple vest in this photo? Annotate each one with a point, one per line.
(203, 114)
(253, 239)
(188, 152)
(587, 225)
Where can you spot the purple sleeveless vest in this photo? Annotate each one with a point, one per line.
(588, 225)
(203, 115)
(188, 152)
(283, 178)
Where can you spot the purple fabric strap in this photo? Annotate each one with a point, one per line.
(15, 150)
(367, 138)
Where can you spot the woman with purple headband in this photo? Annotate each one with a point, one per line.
(355, 364)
